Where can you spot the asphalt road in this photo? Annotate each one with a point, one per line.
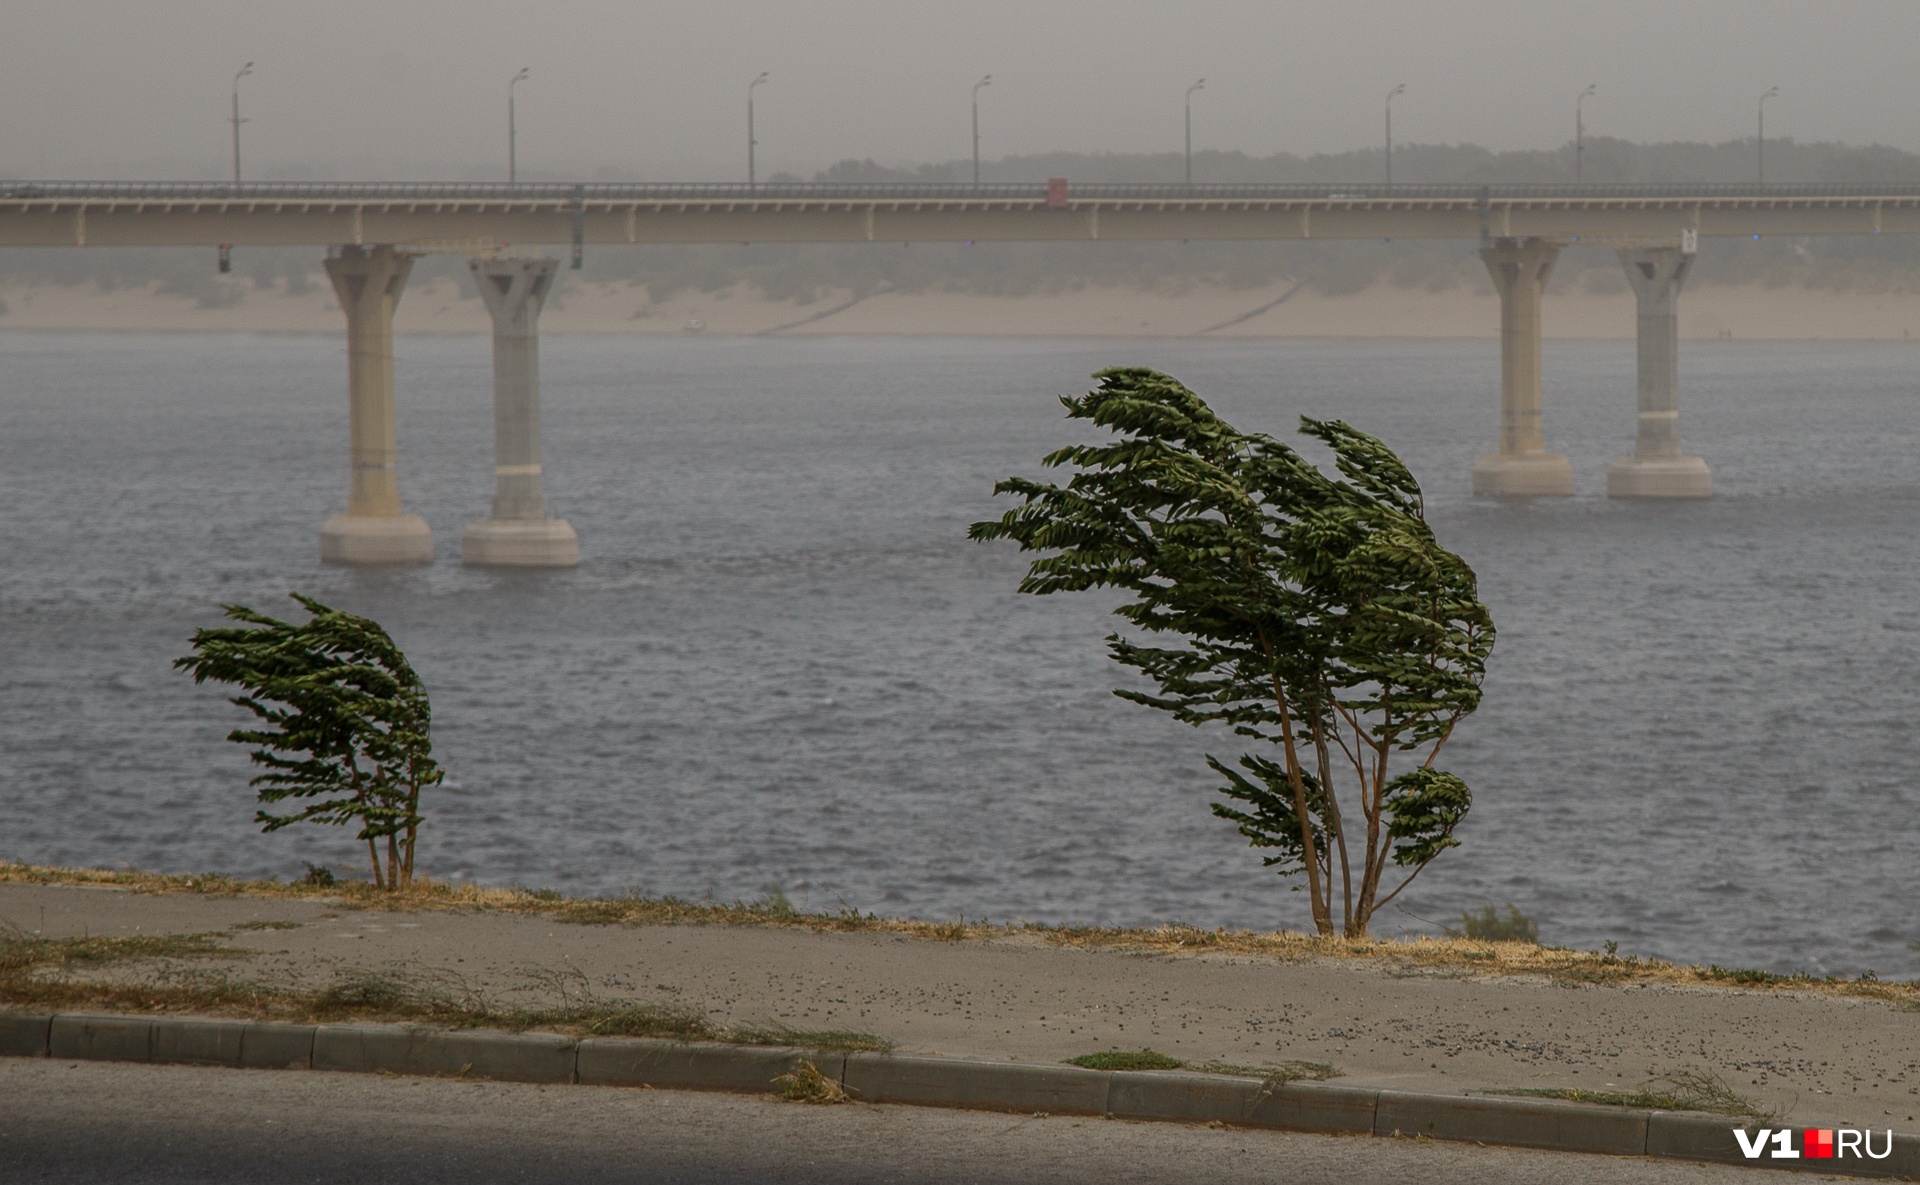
(103, 1122)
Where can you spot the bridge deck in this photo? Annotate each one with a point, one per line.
(119, 213)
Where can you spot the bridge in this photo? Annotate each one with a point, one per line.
(373, 231)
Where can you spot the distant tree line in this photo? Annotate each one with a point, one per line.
(810, 272)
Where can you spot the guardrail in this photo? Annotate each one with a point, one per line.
(882, 191)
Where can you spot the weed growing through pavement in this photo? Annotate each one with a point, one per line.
(1683, 1090)
(35, 972)
(1275, 1075)
(808, 1085)
(23, 953)
(1126, 1060)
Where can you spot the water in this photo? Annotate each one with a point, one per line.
(781, 663)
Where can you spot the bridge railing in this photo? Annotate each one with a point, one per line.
(887, 191)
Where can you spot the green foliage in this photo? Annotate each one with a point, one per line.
(1745, 975)
(345, 724)
(1315, 614)
(1124, 1059)
(1486, 925)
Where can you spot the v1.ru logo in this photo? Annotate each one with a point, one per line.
(1816, 1143)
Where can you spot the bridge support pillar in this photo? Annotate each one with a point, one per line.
(1522, 467)
(1657, 469)
(518, 533)
(374, 530)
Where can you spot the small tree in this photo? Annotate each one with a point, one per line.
(346, 723)
(1318, 615)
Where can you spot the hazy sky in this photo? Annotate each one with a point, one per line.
(385, 88)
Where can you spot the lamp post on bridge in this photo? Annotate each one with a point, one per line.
(1398, 90)
(1198, 86)
(751, 179)
(237, 121)
(1761, 142)
(513, 163)
(1580, 131)
(985, 81)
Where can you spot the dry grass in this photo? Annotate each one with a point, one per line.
(1272, 1076)
(51, 974)
(1684, 1090)
(808, 1085)
(1409, 956)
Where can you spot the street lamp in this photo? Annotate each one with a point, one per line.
(1398, 90)
(237, 121)
(1762, 145)
(1580, 130)
(513, 162)
(1198, 86)
(750, 140)
(987, 80)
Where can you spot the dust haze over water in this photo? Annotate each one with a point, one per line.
(781, 662)
(1658, 663)
(373, 89)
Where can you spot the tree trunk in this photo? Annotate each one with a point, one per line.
(1324, 757)
(1310, 858)
(413, 833)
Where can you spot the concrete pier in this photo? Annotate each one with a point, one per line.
(1522, 467)
(374, 530)
(518, 533)
(1657, 469)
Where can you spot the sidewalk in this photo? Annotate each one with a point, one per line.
(1821, 1059)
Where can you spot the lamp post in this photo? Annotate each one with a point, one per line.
(1198, 86)
(986, 80)
(513, 163)
(750, 140)
(1398, 90)
(1580, 131)
(237, 121)
(1761, 159)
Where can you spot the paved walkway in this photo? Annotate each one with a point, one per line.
(1822, 1059)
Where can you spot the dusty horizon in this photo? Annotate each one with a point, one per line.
(400, 89)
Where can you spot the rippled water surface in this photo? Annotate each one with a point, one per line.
(781, 663)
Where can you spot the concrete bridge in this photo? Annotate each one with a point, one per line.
(372, 233)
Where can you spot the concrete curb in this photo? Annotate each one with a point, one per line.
(913, 1080)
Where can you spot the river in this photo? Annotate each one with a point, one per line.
(781, 664)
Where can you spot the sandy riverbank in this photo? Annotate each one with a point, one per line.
(1707, 312)
(1381, 1021)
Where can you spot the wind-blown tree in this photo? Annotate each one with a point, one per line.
(346, 724)
(1314, 613)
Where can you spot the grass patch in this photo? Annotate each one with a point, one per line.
(1274, 1075)
(1152, 1059)
(1685, 1090)
(1474, 957)
(808, 1085)
(1487, 925)
(824, 1040)
(22, 953)
(31, 975)
(1746, 976)
(1124, 1060)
